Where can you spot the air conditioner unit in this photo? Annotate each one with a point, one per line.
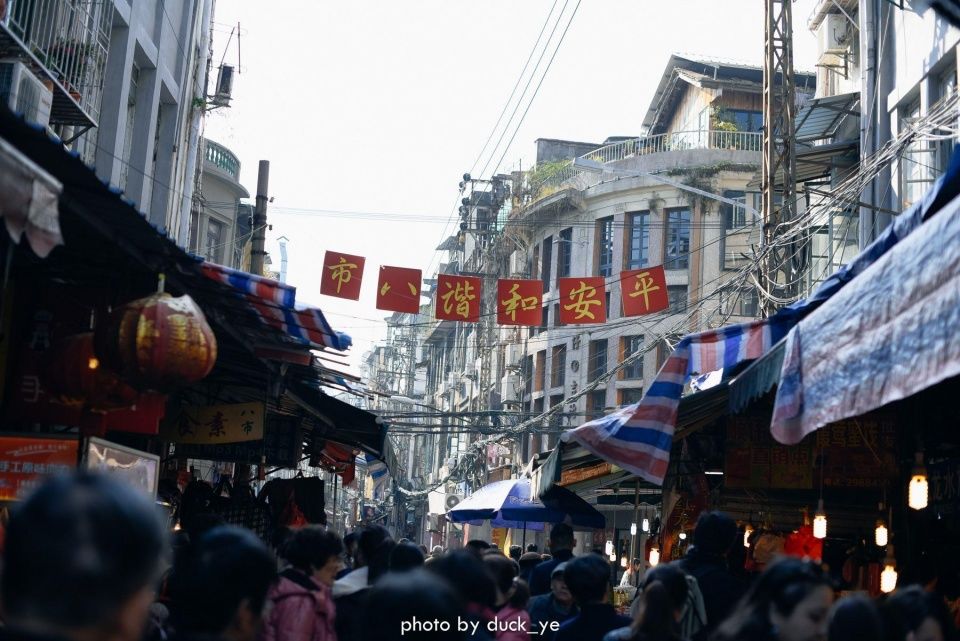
(510, 387)
(834, 35)
(514, 354)
(224, 86)
(518, 263)
(24, 93)
(452, 501)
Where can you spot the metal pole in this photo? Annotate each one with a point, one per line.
(259, 231)
(635, 524)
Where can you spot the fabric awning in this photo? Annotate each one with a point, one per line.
(29, 206)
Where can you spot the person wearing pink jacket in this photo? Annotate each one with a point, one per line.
(302, 607)
(511, 621)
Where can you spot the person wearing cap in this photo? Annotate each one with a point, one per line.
(706, 561)
(557, 605)
(561, 549)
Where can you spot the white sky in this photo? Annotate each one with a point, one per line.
(381, 106)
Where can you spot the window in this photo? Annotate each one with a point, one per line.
(678, 239)
(605, 246)
(739, 232)
(606, 299)
(917, 163)
(564, 252)
(630, 396)
(744, 120)
(127, 159)
(748, 303)
(598, 360)
(946, 86)
(734, 217)
(545, 263)
(540, 374)
(558, 365)
(526, 371)
(632, 345)
(536, 261)
(556, 315)
(596, 402)
(638, 240)
(214, 240)
(677, 295)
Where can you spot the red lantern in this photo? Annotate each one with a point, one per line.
(159, 342)
(76, 377)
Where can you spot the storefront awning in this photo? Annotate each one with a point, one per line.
(819, 119)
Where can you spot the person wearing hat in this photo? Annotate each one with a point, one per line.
(557, 605)
(561, 549)
(706, 561)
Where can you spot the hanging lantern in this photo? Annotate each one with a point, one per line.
(654, 556)
(159, 342)
(76, 377)
(820, 522)
(747, 533)
(919, 489)
(608, 549)
(683, 536)
(880, 534)
(888, 578)
(623, 561)
(613, 557)
(633, 529)
(645, 525)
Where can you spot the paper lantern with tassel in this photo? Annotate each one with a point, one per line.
(76, 377)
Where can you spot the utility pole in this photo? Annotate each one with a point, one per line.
(259, 231)
(779, 148)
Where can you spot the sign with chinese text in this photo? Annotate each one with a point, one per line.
(234, 423)
(858, 452)
(139, 469)
(582, 300)
(342, 275)
(579, 474)
(643, 291)
(945, 486)
(398, 290)
(518, 302)
(281, 445)
(25, 461)
(458, 298)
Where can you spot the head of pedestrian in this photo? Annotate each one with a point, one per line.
(505, 572)
(415, 606)
(587, 578)
(405, 557)
(558, 586)
(373, 550)
(663, 599)
(561, 538)
(477, 547)
(437, 550)
(219, 587)
(789, 602)
(468, 576)
(855, 618)
(912, 614)
(516, 552)
(714, 534)
(315, 552)
(81, 560)
(531, 547)
(528, 561)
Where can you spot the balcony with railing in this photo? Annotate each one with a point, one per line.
(222, 159)
(65, 44)
(652, 153)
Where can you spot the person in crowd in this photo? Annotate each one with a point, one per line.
(790, 601)
(477, 547)
(633, 576)
(278, 540)
(510, 605)
(405, 557)
(855, 618)
(473, 582)
(302, 605)
(528, 561)
(706, 561)
(912, 614)
(350, 554)
(561, 549)
(81, 560)
(437, 551)
(556, 606)
(423, 550)
(374, 546)
(662, 602)
(219, 586)
(417, 596)
(516, 552)
(588, 579)
(531, 547)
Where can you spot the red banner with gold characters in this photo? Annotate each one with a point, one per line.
(644, 291)
(583, 300)
(458, 298)
(342, 275)
(24, 461)
(398, 289)
(518, 302)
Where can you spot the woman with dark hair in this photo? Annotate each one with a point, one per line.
(855, 618)
(915, 615)
(510, 606)
(413, 607)
(473, 582)
(789, 602)
(663, 596)
(219, 586)
(405, 557)
(302, 606)
(374, 546)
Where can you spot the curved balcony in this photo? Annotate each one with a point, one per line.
(222, 159)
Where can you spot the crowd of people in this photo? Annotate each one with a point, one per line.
(86, 558)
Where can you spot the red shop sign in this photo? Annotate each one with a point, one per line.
(25, 461)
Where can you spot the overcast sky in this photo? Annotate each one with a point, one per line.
(381, 106)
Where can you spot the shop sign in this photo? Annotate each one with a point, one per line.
(579, 474)
(235, 423)
(498, 536)
(25, 461)
(140, 469)
(281, 446)
(945, 486)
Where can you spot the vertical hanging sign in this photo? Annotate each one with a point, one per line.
(644, 291)
(398, 289)
(342, 275)
(458, 298)
(518, 302)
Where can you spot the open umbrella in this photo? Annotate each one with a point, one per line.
(509, 503)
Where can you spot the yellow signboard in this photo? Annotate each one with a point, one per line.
(216, 424)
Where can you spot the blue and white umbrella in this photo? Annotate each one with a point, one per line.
(511, 504)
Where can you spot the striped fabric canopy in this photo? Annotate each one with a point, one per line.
(275, 302)
(638, 437)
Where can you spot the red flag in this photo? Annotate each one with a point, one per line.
(458, 298)
(583, 300)
(398, 289)
(342, 274)
(519, 302)
(643, 291)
